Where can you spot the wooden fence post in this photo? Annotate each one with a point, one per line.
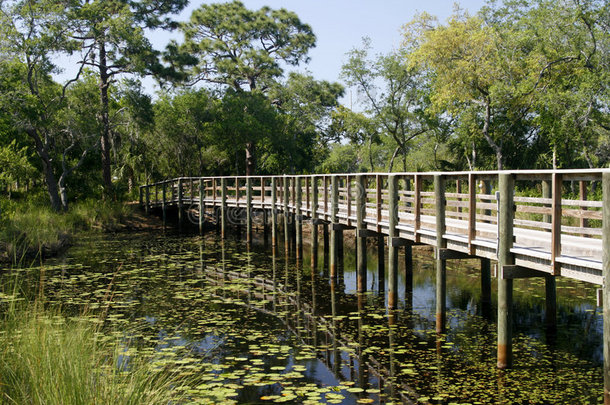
(392, 241)
(314, 223)
(147, 209)
(273, 212)
(286, 195)
(248, 210)
(334, 239)
(606, 286)
(441, 264)
(201, 205)
(299, 218)
(506, 187)
(164, 203)
(361, 232)
(180, 203)
(223, 207)
(550, 282)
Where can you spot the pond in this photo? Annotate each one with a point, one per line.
(251, 324)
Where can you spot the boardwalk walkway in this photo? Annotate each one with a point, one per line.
(536, 223)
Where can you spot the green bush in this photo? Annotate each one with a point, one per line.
(30, 228)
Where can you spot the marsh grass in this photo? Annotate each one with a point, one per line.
(48, 359)
(31, 230)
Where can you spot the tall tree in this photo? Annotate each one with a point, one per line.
(305, 105)
(112, 40)
(30, 33)
(398, 106)
(244, 49)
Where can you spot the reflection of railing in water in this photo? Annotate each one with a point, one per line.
(548, 234)
(272, 291)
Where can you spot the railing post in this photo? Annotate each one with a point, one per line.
(201, 205)
(606, 276)
(180, 202)
(380, 239)
(223, 207)
(392, 245)
(286, 195)
(248, 210)
(273, 212)
(550, 282)
(506, 186)
(314, 223)
(556, 222)
(334, 239)
(486, 269)
(472, 211)
(441, 264)
(141, 188)
(299, 218)
(164, 204)
(361, 232)
(147, 199)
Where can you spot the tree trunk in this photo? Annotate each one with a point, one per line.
(392, 159)
(250, 159)
(497, 148)
(47, 168)
(104, 112)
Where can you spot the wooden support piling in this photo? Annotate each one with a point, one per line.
(201, 204)
(606, 286)
(147, 209)
(249, 210)
(380, 263)
(360, 232)
(164, 203)
(314, 223)
(180, 203)
(505, 258)
(286, 196)
(550, 281)
(441, 264)
(223, 207)
(408, 277)
(486, 269)
(334, 239)
(392, 234)
(299, 219)
(273, 212)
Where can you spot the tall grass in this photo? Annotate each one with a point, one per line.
(30, 229)
(47, 359)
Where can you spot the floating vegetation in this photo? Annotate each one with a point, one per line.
(248, 326)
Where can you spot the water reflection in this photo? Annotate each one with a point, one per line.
(185, 282)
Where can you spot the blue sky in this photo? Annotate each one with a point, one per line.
(339, 25)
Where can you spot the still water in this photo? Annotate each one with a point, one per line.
(254, 325)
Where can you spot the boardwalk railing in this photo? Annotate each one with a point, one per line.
(534, 223)
(557, 222)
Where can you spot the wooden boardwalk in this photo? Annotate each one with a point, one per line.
(537, 223)
(552, 233)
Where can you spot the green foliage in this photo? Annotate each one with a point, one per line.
(239, 48)
(15, 164)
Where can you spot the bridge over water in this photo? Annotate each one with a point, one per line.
(538, 223)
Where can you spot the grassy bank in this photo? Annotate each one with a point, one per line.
(48, 359)
(30, 229)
